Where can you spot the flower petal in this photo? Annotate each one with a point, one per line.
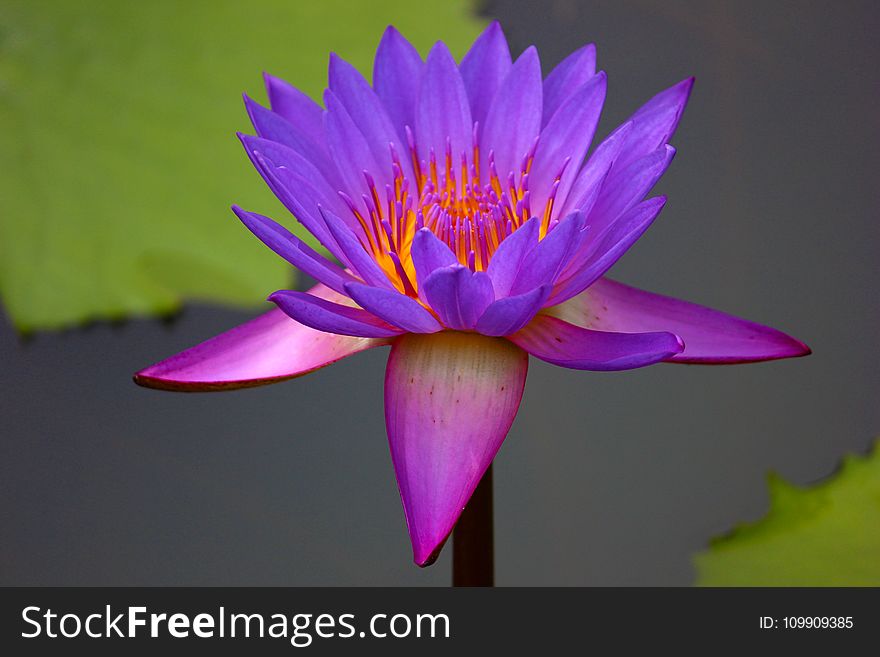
(514, 119)
(566, 78)
(443, 111)
(350, 150)
(297, 194)
(367, 111)
(655, 122)
(394, 307)
(592, 175)
(566, 137)
(274, 127)
(397, 71)
(361, 262)
(710, 336)
(484, 68)
(507, 260)
(450, 399)
(567, 345)
(458, 295)
(294, 250)
(624, 188)
(598, 257)
(330, 316)
(509, 315)
(543, 264)
(296, 107)
(270, 348)
(429, 253)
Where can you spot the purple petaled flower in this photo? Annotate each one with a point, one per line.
(473, 231)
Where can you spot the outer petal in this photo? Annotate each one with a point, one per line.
(563, 80)
(514, 119)
(331, 317)
(396, 74)
(484, 68)
(267, 349)
(458, 295)
(709, 336)
(567, 345)
(450, 399)
(443, 111)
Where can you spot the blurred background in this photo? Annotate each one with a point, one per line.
(117, 249)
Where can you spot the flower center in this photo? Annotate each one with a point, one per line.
(471, 211)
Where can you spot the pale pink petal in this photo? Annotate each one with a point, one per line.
(450, 399)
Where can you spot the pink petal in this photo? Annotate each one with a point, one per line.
(268, 349)
(710, 336)
(450, 399)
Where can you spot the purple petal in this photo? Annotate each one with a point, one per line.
(429, 254)
(443, 110)
(567, 345)
(514, 118)
(331, 317)
(484, 68)
(624, 188)
(361, 262)
(593, 174)
(568, 76)
(597, 258)
(397, 71)
(350, 150)
(567, 136)
(367, 112)
(655, 122)
(267, 349)
(506, 261)
(450, 399)
(296, 192)
(325, 190)
(296, 107)
(294, 250)
(710, 336)
(458, 295)
(394, 307)
(298, 195)
(509, 315)
(543, 264)
(274, 127)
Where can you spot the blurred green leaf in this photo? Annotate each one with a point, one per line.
(119, 159)
(822, 535)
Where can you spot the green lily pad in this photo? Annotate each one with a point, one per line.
(822, 535)
(119, 158)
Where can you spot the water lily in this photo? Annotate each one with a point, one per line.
(471, 228)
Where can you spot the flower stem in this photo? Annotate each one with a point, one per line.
(473, 543)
